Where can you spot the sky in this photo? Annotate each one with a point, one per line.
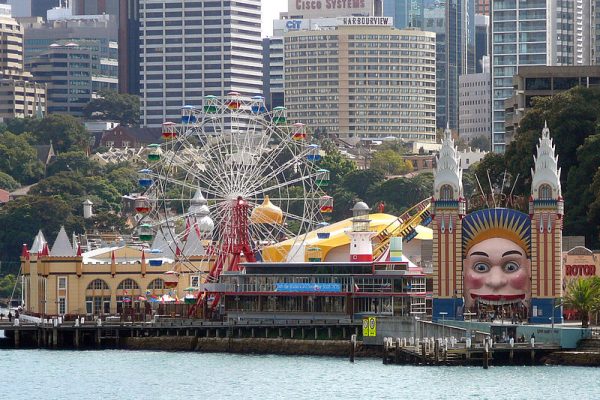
(270, 11)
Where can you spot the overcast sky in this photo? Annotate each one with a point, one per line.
(270, 11)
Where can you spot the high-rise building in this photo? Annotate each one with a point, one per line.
(362, 81)
(406, 13)
(74, 71)
(129, 46)
(454, 25)
(273, 72)
(95, 7)
(482, 48)
(192, 49)
(40, 35)
(475, 96)
(20, 96)
(536, 32)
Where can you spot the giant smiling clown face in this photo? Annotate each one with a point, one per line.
(496, 271)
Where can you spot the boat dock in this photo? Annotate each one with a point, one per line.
(109, 333)
(430, 351)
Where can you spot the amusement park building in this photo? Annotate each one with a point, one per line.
(366, 81)
(62, 279)
(192, 49)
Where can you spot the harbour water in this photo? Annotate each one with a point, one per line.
(121, 374)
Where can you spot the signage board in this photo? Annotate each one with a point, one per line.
(366, 21)
(309, 287)
(329, 8)
(369, 327)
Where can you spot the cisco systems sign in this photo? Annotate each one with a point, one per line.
(330, 8)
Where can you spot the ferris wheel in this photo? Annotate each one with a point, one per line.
(228, 180)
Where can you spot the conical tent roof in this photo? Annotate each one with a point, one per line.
(38, 243)
(166, 241)
(62, 246)
(193, 246)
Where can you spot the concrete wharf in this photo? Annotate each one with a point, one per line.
(109, 333)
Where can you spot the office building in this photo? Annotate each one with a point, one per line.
(362, 81)
(20, 96)
(192, 49)
(483, 7)
(273, 80)
(482, 47)
(129, 46)
(543, 81)
(454, 25)
(39, 35)
(74, 71)
(535, 32)
(406, 13)
(475, 111)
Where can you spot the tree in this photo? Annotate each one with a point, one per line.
(113, 106)
(491, 165)
(76, 161)
(337, 165)
(8, 286)
(67, 133)
(7, 182)
(19, 159)
(362, 181)
(123, 178)
(583, 295)
(390, 162)
(22, 218)
(481, 142)
(402, 193)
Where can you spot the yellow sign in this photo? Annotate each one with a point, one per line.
(369, 326)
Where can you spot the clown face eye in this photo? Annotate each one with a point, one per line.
(511, 267)
(481, 267)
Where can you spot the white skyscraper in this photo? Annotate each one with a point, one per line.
(190, 49)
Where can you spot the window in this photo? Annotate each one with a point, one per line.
(446, 192)
(545, 192)
(157, 284)
(62, 305)
(128, 284)
(194, 281)
(62, 282)
(98, 284)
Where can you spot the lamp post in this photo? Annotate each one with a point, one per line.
(443, 314)
(469, 330)
(416, 317)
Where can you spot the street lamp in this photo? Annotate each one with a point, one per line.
(443, 314)
(469, 330)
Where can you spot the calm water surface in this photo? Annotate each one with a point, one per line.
(120, 374)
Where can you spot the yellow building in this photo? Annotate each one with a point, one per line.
(104, 281)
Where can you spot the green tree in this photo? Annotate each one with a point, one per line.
(580, 195)
(7, 182)
(338, 166)
(19, 126)
(9, 287)
(362, 181)
(107, 221)
(583, 295)
(76, 161)
(390, 162)
(19, 159)
(491, 165)
(22, 218)
(113, 106)
(67, 133)
(124, 178)
(481, 142)
(399, 194)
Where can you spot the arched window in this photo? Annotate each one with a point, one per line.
(98, 284)
(545, 192)
(157, 284)
(446, 192)
(128, 284)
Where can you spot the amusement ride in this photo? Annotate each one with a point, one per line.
(229, 179)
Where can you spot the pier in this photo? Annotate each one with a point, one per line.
(448, 351)
(55, 334)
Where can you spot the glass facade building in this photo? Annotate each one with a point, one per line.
(453, 21)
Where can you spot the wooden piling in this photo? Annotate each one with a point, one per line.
(352, 347)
